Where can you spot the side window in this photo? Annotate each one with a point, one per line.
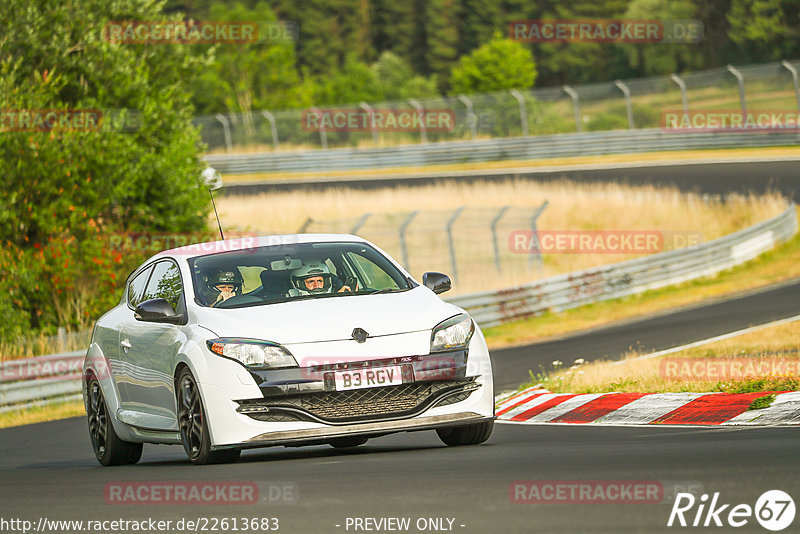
(251, 277)
(165, 284)
(136, 287)
(331, 267)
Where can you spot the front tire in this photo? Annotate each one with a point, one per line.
(193, 425)
(108, 448)
(466, 435)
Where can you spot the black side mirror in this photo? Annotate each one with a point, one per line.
(156, 311)
(436, 282)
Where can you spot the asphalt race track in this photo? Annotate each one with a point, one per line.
(660, 332)
(712, 178)
(48, 470)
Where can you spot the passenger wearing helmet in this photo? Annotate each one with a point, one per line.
(314, 278)
(227, 284)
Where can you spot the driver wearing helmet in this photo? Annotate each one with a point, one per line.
(227, 284)
(314, 278)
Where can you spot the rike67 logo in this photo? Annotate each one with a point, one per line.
(774, 510)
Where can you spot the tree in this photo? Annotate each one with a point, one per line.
(765, 29)
(64, 186)
(498, 65)
(329, 32)
(244, 77)
(354, 83)
(662, 58)
(398, 82)
(441, 26)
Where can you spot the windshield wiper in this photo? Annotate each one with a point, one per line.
(386, 290)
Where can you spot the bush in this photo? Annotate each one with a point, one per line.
(65, 186)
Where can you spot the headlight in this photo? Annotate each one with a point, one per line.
(453, 333)
(253, 353)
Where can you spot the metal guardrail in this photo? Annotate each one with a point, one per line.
(48, 379)
(41, 380)
(625, 278)
(511, 148)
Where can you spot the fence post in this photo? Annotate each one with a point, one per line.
(303, 229)
(422, 132)
(450, 240)
(360, 223)
(740, 79)
(323, 136)
(523, 113)
(538, 256)
(402, 232)
(470, 115)
(628, 106)
(576, 106)
(793, 70)
(271, 118)
(494, 237)
(684, 98)
(366, 107)
(226, 130)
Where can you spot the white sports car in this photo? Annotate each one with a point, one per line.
(282, 340)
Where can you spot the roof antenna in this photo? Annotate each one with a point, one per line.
(214, 181)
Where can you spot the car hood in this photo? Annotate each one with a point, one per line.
(330, 319)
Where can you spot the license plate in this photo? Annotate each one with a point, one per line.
(367, 378)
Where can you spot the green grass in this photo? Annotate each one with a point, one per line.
(40, 414)
(762, 402)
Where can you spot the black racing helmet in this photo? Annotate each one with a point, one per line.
(232, 277)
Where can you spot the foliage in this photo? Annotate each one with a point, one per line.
(63, 186)
(765, 29)
(661, 58)
(500, 64)
(253, 76)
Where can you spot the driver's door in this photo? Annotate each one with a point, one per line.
(149, 350)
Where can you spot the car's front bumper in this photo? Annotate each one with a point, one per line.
(376, 428)
(456, 390)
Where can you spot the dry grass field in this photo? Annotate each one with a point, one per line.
(767, 359)
(571, 207)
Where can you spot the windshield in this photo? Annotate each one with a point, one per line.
(281, 273)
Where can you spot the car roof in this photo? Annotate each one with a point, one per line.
(249, 242)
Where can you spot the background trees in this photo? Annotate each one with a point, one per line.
(64, 189)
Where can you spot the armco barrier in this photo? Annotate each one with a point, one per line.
(510, 148)
(28, 381)
(616, 280)
(53, 378)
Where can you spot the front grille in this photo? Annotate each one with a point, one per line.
(370, 403)
(276, 417)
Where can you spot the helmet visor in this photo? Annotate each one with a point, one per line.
(315, 283)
